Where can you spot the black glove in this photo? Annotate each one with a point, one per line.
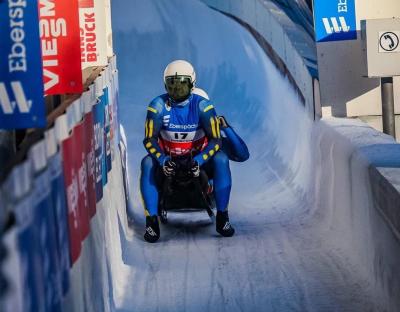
(195, 169)
(169, 168)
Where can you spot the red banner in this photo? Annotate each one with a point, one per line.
(86, 3)
(90, 162)
(72, 191)
(80, 167)
(60, 42)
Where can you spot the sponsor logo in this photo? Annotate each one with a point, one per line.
(88, 38)
(335, 20)
(98, 137)
(50, 30)
(17, 56)
(166, 120)
(183, 127)
(17, 61)
(82, 175)
(72, 196)
(151, 231)
(227, 226)
(333, 26)
(24, 105)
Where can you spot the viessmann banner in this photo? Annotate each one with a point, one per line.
(60, 42)
(335, 20)
(21, 86)
(93, 33)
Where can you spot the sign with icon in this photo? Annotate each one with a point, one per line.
(389, 41)
(380, 40)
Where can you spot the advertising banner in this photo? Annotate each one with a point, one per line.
(98, 114)
(107, 6)
(60, 42)
(335, 20)
(12, 299)
(93, 33)
(71, 181)
(113, 144)
(61, 219)
(80, 167)
(90, 162)
(104, 171)
(115, 104)
(44, 222)
(31, 263)
(21, 92)
(107, 121)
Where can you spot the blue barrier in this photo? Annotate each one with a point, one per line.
(42, 241)
(98, 114)
(45, 224)
(32, 271)
(61, 220)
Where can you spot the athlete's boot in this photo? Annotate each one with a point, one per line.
(223, 225)
(152, 233)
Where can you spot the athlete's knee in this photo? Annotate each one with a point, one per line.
(147, 163)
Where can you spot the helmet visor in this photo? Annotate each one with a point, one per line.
(178, 87)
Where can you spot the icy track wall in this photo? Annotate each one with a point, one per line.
(293, 49)
(335, 167)
(66, 197)
(353, 186)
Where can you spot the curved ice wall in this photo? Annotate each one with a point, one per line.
(242, 82)
(304, 186)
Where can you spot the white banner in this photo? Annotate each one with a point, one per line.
(110, 50)
(92, 16)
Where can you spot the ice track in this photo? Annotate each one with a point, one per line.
(285, 255)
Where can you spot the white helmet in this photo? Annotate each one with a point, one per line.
(179, 80)
(180, 68)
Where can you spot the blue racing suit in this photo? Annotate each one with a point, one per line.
(190, 127)
(233, 145)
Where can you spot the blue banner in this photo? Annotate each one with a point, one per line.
(21, 84)
(335, 20)
(98, 115)
(103, 100)
(61, 220)
(107, 130)
(30, 256)
(45, 224)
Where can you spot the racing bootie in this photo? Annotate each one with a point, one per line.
(152, 233)
(224, 227)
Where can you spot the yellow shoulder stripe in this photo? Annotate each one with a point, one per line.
(218, 130)
(214, 132)
(151, 128)
(208, 108)
(151, 109)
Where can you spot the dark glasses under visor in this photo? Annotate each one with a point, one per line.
(178, 87)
